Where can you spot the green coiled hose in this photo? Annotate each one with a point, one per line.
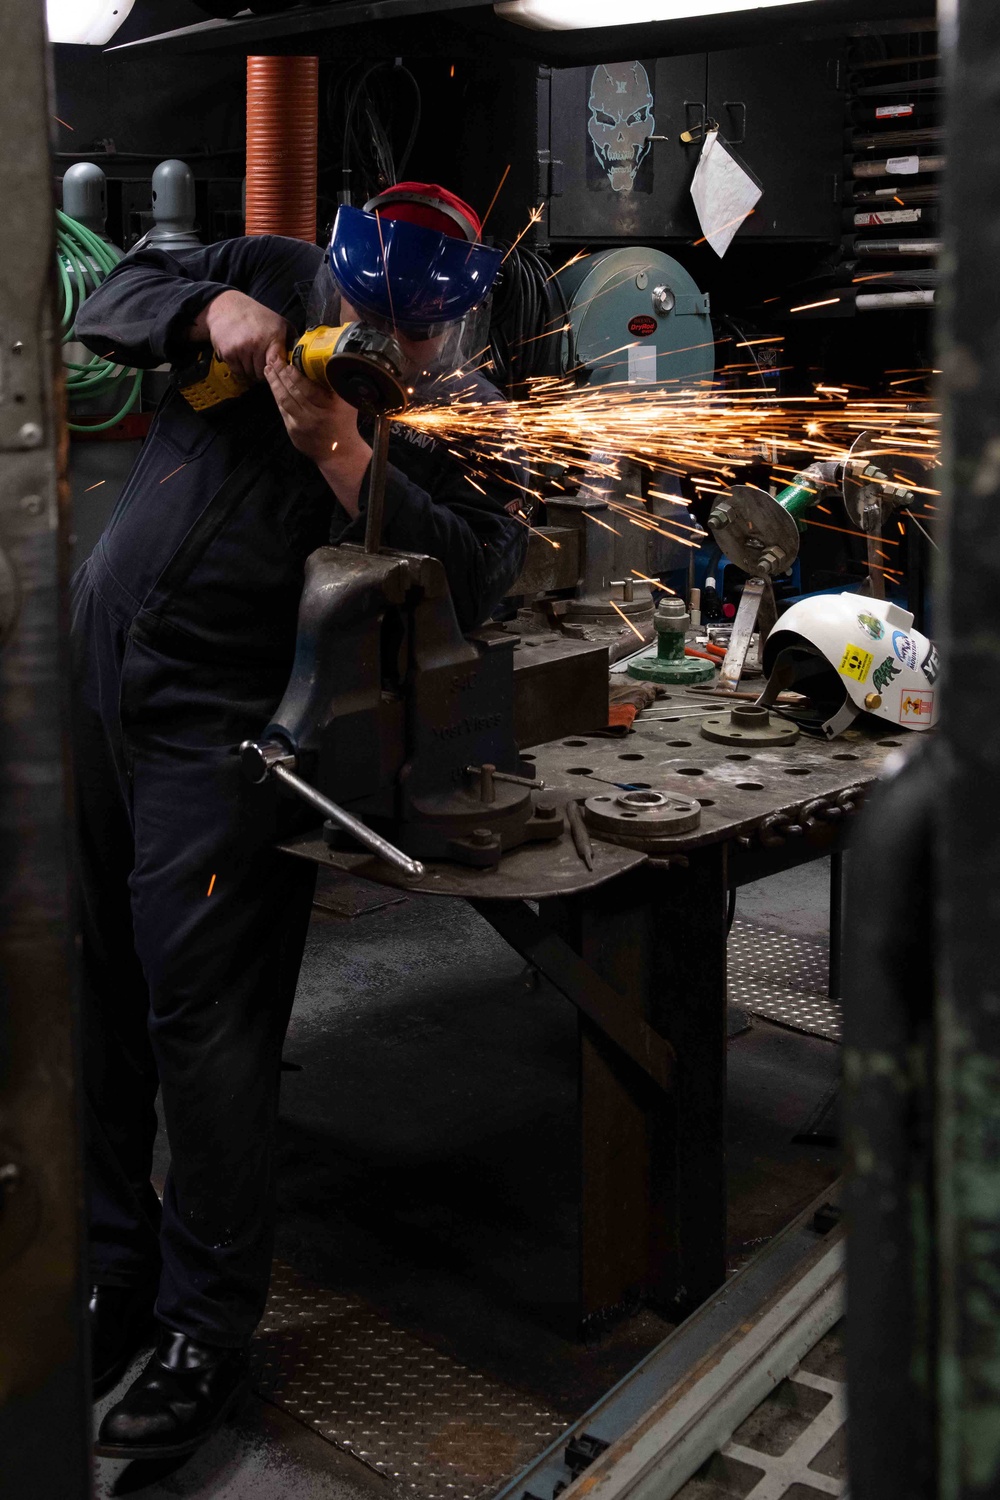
(83, 260)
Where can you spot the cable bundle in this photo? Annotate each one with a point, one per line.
(529, 322)
(361, 111)
(83, 260)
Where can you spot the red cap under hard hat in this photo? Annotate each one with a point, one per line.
(430, 206)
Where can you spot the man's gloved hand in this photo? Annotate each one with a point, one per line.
(242, 332)
(322, 426)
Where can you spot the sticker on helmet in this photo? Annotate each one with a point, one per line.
(856, 663)
(931, 665)
(884, 673)
(915, 706)
(905, 649)
(873, 625)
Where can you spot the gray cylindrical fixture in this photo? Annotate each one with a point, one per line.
(85, 196)
(173, 207)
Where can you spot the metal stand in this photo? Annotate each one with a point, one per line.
(757, 610)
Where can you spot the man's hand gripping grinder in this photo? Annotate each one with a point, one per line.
(353, 361)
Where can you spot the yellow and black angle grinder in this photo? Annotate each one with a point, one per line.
(355, 361)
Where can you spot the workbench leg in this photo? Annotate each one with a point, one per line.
(836, 921)
(653, 1175)
(619, 1106)
(688, 1007)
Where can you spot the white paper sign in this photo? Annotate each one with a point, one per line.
(641, 364)
(723, 193)
(902, 166)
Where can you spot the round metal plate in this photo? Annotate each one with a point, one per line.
(642, 814)
(859, 492)
(720, 727)
(757, 522)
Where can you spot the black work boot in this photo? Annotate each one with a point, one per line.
(121, 1321)
(185, 1392)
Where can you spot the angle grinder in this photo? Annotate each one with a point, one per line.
(355, 361)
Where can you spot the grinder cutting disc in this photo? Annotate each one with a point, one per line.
(355, 361)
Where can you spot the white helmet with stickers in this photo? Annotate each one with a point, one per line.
(848, 654)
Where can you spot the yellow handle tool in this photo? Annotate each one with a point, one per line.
(354, 361)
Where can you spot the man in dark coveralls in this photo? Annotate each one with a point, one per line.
(184, 627)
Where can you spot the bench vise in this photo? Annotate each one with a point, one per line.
(396, 726)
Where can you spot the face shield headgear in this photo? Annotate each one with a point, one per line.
(409, 263)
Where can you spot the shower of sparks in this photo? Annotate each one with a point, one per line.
(576, 439)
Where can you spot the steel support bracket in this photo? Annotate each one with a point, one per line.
(552, 956)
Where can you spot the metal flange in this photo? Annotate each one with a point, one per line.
(642, 815)
(754, 532)
(746, 724)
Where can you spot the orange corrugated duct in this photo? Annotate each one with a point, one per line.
(282, 124)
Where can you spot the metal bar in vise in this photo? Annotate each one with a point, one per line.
(572, 977)
(376, 483)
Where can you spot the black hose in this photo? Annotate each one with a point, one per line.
(530, 335)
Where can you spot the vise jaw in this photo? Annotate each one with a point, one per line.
(392, 713)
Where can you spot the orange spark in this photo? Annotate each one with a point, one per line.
(628, 622)
(496, 195)
(808, 306)
(211, 886)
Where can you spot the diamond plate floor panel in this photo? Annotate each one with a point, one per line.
(413, 1414)
(782, 979)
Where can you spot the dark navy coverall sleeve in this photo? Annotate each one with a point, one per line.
(142, 311)
(143, 308)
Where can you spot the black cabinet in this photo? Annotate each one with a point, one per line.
(611, 179)
(618, 169)
(782, 108)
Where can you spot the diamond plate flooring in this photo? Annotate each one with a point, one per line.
(408, 1411)
(782, 978)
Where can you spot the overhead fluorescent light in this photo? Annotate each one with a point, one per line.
(579, 15)
(83, 22)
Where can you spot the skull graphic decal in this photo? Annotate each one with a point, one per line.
(621, 120)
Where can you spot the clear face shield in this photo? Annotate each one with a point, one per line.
(429, 291)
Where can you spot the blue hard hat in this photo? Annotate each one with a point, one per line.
(412, 278)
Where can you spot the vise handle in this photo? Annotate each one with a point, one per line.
(274, 759)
